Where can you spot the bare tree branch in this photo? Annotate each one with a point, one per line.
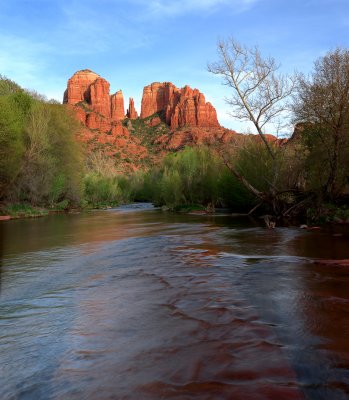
(259, 92)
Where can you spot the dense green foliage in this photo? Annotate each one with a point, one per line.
(197, 176)
(188, 179)
(11, 142)
(40, 160)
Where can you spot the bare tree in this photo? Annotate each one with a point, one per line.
(100, 163)
(259, 95)
(259, 92)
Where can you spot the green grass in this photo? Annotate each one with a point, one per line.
(146, 133)
(23, 211)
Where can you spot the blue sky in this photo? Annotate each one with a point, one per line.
(132, 43)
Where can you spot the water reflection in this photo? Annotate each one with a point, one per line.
(147, 305)
(1, 249)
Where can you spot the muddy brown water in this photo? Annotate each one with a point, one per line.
(134, 303)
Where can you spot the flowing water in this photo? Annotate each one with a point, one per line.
(134, 303)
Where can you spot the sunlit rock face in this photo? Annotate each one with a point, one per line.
(131, 111)
(178, 108)
(78, 88)
(101, 115)
(117, 110)
(170, 119)
(92, 93)
(184, 107)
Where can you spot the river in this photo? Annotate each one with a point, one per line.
(135, 303)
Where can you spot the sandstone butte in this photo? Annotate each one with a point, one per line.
(184, 107)
(91, 93)
(102, 113)
(180, 107)
(179, 116)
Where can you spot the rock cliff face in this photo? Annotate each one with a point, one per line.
(89, 90)
(102, 115)
(78, 88)
(178, 108)
(100, 98)
(178, 139)
(184, 107)
(183, 118)
(131, 112)
(117, 106)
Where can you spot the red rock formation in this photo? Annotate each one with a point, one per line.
(117, 106)
(181, 107)
(78, 88)
(192, 119)
(184, 107)
(131, 112)
(156, 98)
(99, 97)
(80, 114)
(177, 139)
(98, 122)
(119, 130)
(101, 113)
(153, 121)
(88, 87)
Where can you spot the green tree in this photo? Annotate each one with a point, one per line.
(322, 106)
(11, 142)
(51, 165)
(40, 158)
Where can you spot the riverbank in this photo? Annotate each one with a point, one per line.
(15, 211)
(21, 211)
(328, 215)
(18, 211)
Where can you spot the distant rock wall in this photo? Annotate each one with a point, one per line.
(78, 88)
(184, 107)
(88, 87)
(184, 118)
(179, 108)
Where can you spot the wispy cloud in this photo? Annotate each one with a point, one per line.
(179, 7)
(88, 29)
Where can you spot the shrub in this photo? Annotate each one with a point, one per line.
(101, 191)
(197, 176)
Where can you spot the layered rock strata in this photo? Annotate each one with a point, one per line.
(92, 93)
(170, 118)
(184, 107)
(117, 106)
(131, 111)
